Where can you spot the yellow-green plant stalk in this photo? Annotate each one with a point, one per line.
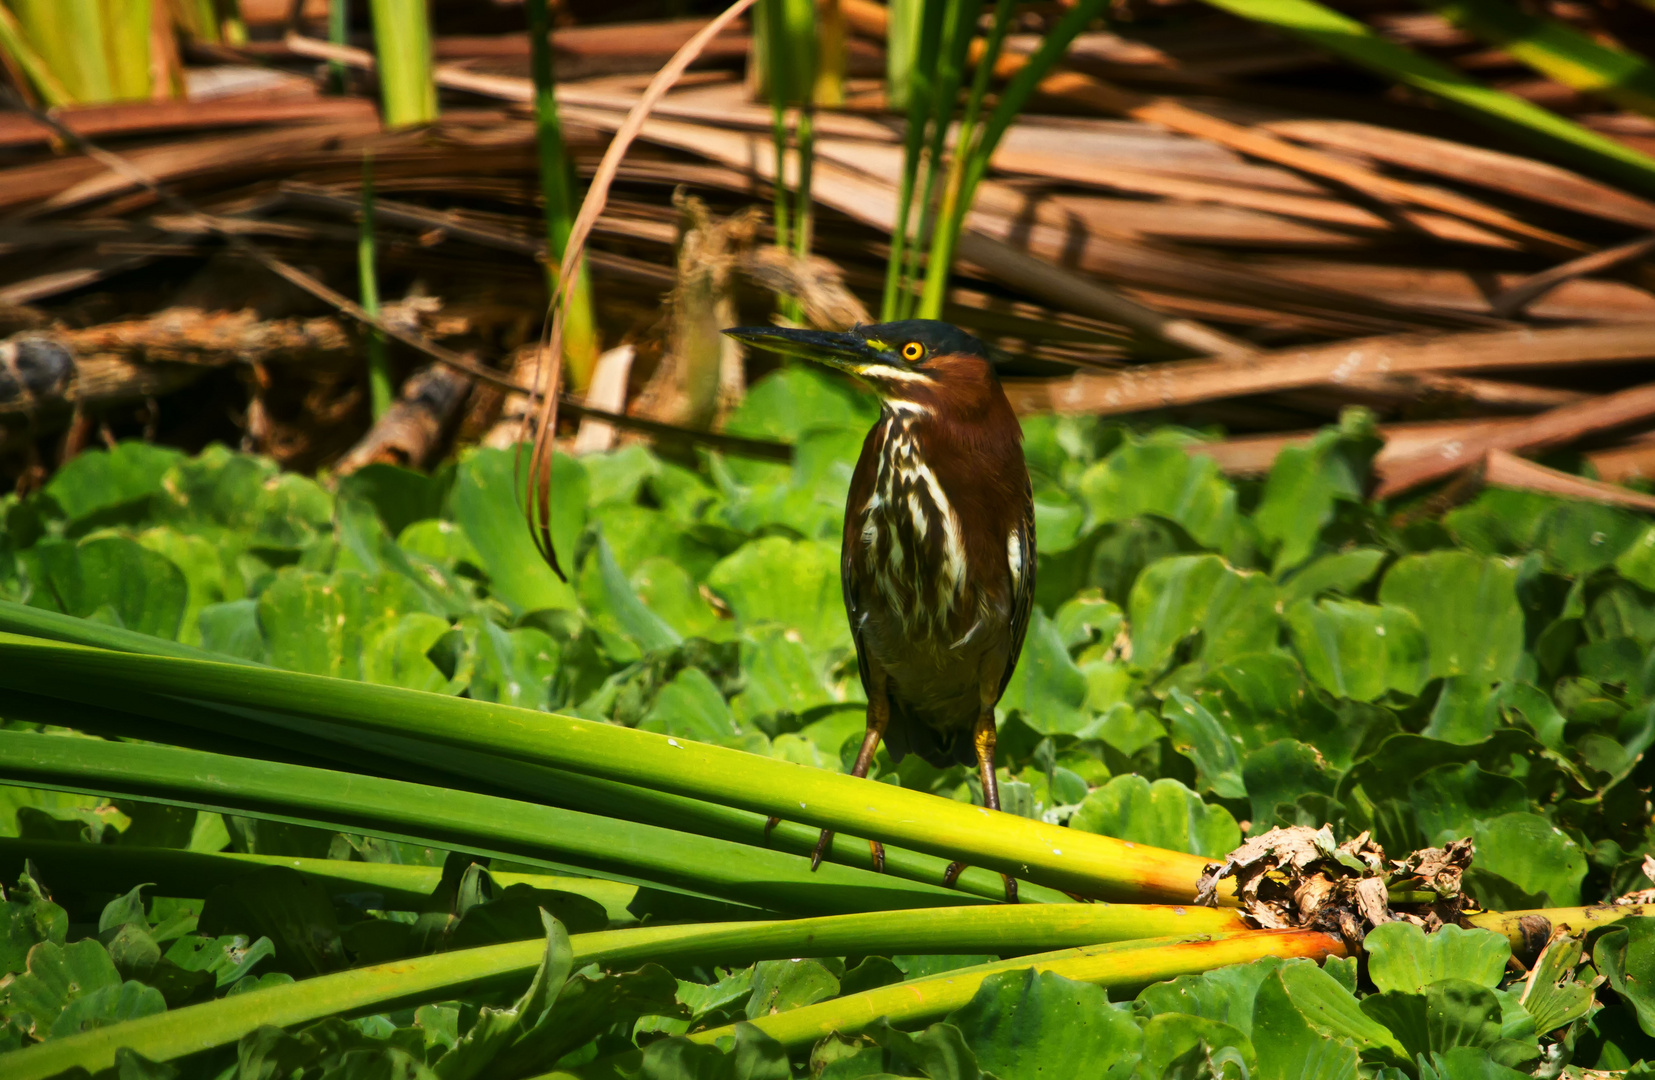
(460, 820)
(380, 390)
(1122, 966)
(1520, 926)
(1062, 858)
(69, 36)
(193, 1028)
(201, 19)
(557, 181)
(165, 719)
(902, 51)
(79, 866)
(127, 31)
(828, 86)
(402, 44)
(26, 59)
(770, 40)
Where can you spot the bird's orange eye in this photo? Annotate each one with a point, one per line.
(913, 351)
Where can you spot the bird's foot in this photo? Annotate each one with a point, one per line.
(770, 827)
(823, 842)
(955, 869)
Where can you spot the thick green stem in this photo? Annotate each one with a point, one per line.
(459, 820)
(769, 47)
(194, 1028)
(1124, 967)
(1062, 858)
(81, 867)
(1526, 929)
(828, 81)
(159, 718)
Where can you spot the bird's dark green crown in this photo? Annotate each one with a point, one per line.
(882, 353)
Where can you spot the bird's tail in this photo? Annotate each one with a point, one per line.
(941, 747)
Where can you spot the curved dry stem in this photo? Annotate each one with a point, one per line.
(550, 370)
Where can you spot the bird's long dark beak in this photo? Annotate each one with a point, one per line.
(847, 352)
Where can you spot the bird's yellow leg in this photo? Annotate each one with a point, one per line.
(879, 718)
(983, 739)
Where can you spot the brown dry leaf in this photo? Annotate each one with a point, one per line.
(1508, 470)
(1185, 382)
(1556, 427)
(1299, 878)
(700, 376)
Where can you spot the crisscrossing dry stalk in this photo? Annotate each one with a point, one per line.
(550, 370)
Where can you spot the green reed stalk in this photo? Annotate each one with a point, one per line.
(785, 58)
(927, 23)
(902, 42)
(15, 43)
(1047, 854)
(205, 20)
(459, 820)
(959, 21)
(980, 152)
(316, 743)
(402, 40)
(127, 25)
(1003, 930)
(828, 81)
(1123, 966)
(68, 35)
(380, 388)
(339, 21)
(769, 47)
(557, 190)
(950, 214)
(235, 28)
(81, 867)
(1558, 51)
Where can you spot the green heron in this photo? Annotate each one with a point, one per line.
(938, 556)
